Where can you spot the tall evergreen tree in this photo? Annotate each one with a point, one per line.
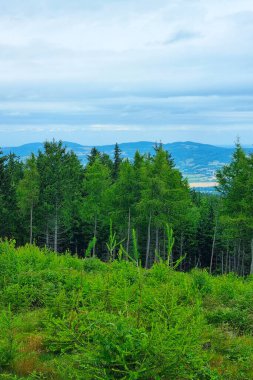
(94, 154)
(124, 197)
(10, 172)
(235, 186)
(28, 191)
(60, 192)
(96, 184)
(116, 161)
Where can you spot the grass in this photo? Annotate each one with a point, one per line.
(68, 318)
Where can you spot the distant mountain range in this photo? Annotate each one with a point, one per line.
(198, 162)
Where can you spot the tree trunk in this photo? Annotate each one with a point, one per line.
(164, 245)
(47, 237)
(128, 232)
(213, 246)
(234, 258)
(94, 235)
(31, 224)
(181, 249)
(242, 266)
(226, 265)
(148, 243)
(198, 264)
(56, 231)
(156, 244)
(238, 258)
(251, 266)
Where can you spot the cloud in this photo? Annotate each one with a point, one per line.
(182, 35)
(119, 66)
(117, 42)
(116, 128)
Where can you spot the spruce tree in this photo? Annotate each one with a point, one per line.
(116, 161)
(235, 186)
(28, 191)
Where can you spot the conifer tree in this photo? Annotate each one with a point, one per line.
(116, 161)
(28, 191)
(235, 186)
(124, 196)
(96, 184)
(60, 189)
(94, 154)
(10, 172)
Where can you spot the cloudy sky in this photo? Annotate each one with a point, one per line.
(102, 71)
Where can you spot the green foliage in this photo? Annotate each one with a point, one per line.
(170, 243)
(112, 243)
(235, 185)
(53, 201)
(68, 318)
(8, 346)
(90, 247)
(135, 247)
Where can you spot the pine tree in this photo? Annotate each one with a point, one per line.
(28, 191)
(60, 192)
(124, 196)
(10, 173)
(117, 161)
(165, 199)
(94, 154)
(96, 184)
(235, 186)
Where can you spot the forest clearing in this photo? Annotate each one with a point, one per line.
(63, 317)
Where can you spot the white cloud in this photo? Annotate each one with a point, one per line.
(121, 42)
(116, 128)
(125, 66)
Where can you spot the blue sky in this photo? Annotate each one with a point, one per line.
(102, 71)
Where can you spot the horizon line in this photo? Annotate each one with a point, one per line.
(128, 142)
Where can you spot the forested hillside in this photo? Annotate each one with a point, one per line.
(198, 162)
(108, 206)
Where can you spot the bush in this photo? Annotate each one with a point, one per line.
(68, 318)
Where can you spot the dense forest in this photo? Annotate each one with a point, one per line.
(104, 269)
(112, 206)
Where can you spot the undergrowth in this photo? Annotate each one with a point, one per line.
(67, 318)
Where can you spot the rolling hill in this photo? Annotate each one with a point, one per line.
(198, 162)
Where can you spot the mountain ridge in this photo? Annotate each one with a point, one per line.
(198, 162)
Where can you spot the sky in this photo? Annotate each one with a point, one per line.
(101, 71)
